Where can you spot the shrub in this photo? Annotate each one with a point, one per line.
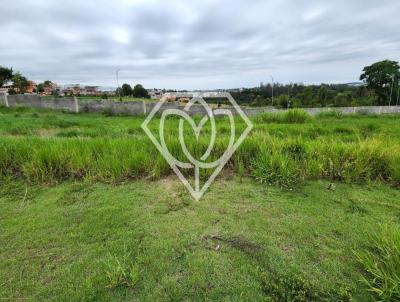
(381, 264)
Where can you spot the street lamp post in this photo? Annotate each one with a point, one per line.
(272, 78)
(119, 90)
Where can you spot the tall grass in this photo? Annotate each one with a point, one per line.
(331, 113)
(115, 149)
(382, 264)
(269, 160)
(292, 116)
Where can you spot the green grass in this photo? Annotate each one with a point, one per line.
(50, 147)
(91, 211)
(382, 263)
(148, 241)
(294, 116)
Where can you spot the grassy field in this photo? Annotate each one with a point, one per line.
(90, 211)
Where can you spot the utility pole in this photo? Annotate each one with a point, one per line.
(118, 89)
(289, 87)
(391, 91)
(272, 78)
(398, 93)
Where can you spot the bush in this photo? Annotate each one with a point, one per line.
(382, 264)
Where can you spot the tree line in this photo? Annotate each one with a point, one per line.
(380, 87)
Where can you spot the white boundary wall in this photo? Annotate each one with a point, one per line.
(71, 104)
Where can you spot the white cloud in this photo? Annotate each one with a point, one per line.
(199, 43)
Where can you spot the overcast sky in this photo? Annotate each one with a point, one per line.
(197, 44)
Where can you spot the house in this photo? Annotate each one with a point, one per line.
(155, 94)
(6, 87)
(90, 90)
(31, 87)
(51, 89)
(72, 89)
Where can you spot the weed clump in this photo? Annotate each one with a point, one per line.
(334, 114)
(108, 112)
(121, 272)
(292, 116)
(381, 264)
(280, 285)
(275, 169)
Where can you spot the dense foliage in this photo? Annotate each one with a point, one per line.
(380, 87)
(5, 75)
(305, 96)
(138, 91)
(383, 77)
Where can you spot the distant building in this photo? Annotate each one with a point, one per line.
(77, 89)
(155, 94)
(90, 90)
(6, 87)
(51, 89)
(71, 89)
(31, 87)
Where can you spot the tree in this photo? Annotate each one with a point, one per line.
(380, 77)
(322, 95)
(306, 96)
(126, 90)
(118, 92)
(343, 99)
(40, 88)
(20, 83)
(140, 92)
(5, 75)
(282, 101)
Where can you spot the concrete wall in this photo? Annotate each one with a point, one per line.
(34, 101)
(130, 108)
(143, 108)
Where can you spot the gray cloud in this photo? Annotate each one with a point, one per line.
(197, 44)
